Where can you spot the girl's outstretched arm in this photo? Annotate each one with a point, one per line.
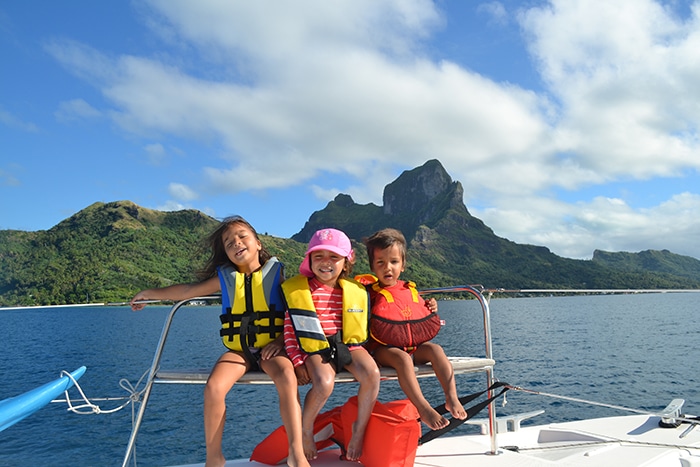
(177, 292)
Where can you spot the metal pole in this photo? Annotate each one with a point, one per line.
(151, 376)
(489, 373)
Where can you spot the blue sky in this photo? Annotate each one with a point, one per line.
(571, 124)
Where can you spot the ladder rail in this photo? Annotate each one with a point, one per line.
(155, 365)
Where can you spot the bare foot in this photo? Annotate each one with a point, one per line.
(307, 440)
(355, 445)
(297, 459)
(432, 419)
(455, 408)
(215, 461)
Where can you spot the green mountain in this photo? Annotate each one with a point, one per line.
(108, 252)
(663, 262)
(448, 245)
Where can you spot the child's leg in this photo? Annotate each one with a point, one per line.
(402, 362)
(227, 370)
(281, 371)
(365, 370)
(433, 353)
(322, 381)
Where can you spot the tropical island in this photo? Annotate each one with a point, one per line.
(109, 251)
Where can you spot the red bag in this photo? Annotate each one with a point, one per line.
(391, 438)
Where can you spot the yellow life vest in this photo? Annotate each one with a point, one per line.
(252, 306)
(305, 321)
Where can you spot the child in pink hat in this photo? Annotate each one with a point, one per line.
(324, 330)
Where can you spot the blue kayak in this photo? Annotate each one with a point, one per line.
(14, 409)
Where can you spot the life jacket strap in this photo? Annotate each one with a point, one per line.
(244, 324)
(340, 353)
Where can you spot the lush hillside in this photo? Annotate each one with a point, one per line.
(103, 253)
(661, 262)
(108, 252)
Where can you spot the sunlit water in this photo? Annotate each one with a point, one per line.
(635, 351)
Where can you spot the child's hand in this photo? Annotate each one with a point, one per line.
(302, 375)
(431, 303)
(138, 297)
(273, 349)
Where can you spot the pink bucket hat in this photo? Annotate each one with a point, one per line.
(327, 239)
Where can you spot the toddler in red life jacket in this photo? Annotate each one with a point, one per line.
(401, 326)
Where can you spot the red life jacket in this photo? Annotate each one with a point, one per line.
(400, 317)
(391, 438)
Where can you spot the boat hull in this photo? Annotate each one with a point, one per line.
(15, 409)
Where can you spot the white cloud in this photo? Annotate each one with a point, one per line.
(576, 230)
(84, 61)
(171, 205)
(625, 74)
(76, 109)
(12, 121)
(325, 194)
(349, 91)
(8, 179)
(155, 153)
(495, 11)
(182, 192)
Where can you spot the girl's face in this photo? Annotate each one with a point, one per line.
(242, 247)
(327, 266)
(387, 265)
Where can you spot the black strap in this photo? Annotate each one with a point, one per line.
(235, 323)
(247, 320)
(245, 344)
(339, 353)
(272, 329)
(230, 331)
(471, 411)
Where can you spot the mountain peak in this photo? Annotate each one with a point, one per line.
(421, 196)
(416, 188)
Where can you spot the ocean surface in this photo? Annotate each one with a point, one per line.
(638, 351)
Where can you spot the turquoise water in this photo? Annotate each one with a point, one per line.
(635, 351)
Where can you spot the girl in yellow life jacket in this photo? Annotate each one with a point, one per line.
(387, 258)
(325, 327)
(249, 279)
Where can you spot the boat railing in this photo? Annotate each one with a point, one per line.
(461, 365)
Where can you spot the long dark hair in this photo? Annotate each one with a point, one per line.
(218, 255)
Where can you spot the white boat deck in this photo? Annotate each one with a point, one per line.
(634, 440)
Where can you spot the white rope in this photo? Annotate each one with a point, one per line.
(684, 418)
(134, 396)
(630, 442)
